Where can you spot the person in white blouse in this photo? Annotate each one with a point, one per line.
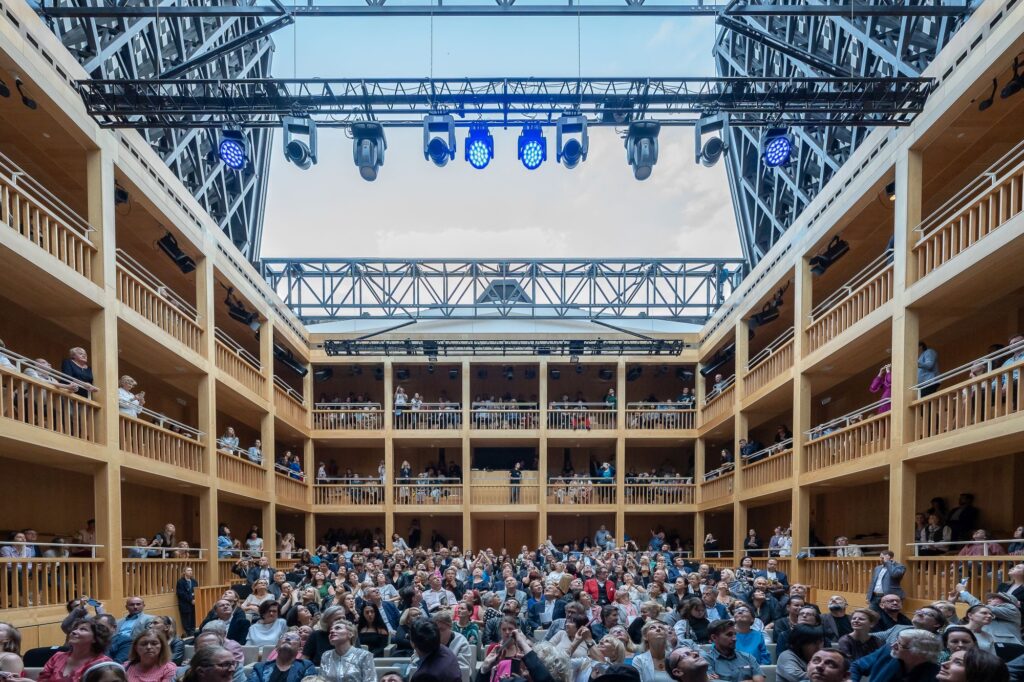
(130, 403)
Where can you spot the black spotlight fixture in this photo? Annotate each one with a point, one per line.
(368, 147)
(323, 374)
(835, 250)
(768, 313)
(402, 374)
(554, 374)
(605, 374)
(300, 152)
(430, 368)
(634, 373)
(530, 373)
(378, 373)
(4, 90)
(571, 141)
(453, 373)
(439, 138)
(510, 372)
(708, 153)
(169, 245)
(642, 148)
(285, 357)
(121, 195)
(31, 103)
(238, 311)
(684, 374)
(579, 368)
(890, 191)
(1015, 85)
(987, 102)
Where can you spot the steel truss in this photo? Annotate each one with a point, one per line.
(767, 200)
(484, 347)
(144, 47)
(392, 8)
(675, 289)
(861, 101)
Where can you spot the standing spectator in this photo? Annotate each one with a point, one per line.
(963, 519)
(927, 368)
(129, 403)
(224, 542)
(254, 545)
(186, 593)
(76, 366)
(886, 577)
(934, 537)
(255, 452)
(882, 383)
(229, 441)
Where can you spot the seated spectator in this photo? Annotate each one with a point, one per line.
(10, 638)
(845, 549)
(974, 665)
(1004, 625)
(914, 656)
(980, 547)
(373, 631)
(889, 611)
(859, 642)
(212, 663)
(86, 642)
(724, 660)
(956, 638)
(150, 658)
(934, 537)
(747, 638)
(345, 661)
(287, 664)
(434, 660)
(267, 630)
(804, 642)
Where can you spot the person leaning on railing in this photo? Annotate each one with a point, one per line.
(130, 404)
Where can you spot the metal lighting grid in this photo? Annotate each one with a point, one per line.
(767, 200)
(141, 103)
(674, 289)
(504, 348)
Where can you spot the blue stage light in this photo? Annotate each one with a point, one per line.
(479, 147)
(233, 149)
(533, 148)
(777, 148)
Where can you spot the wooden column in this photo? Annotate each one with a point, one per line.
(209, 518)
(467, 461)
(107, 512)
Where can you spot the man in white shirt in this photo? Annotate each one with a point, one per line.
(436, 597)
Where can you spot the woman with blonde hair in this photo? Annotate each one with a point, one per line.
(150, 659)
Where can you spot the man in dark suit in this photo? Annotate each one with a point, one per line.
(261, 571)
(885, 579)
(386, 608)
(774, 575)
(185, 590)
(963, 519)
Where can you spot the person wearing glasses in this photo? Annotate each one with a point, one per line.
(913, 655)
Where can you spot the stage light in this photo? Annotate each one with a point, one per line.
(533, 148)
(4, 90)
(776, 147)
(605, 374)
(121, 195)
(987, 102)
(169, 245)
(574, 149)
(1016, 84)
(835, 250)
(368, 146)
(440, 150)
(634, 373)
(554, 374)
(708, 153)
(323, 374)
(299, 152)
(233, 149)
(31, 103)
(285, 357)
(453, 373)
(768, 314)
(479, 147)
(890, 191)
(642, 148)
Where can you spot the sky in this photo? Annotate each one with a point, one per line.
(416, 210)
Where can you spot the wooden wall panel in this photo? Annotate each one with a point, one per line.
(344, 382)
(992, 481)
(420, 458)
(678, 458)
(508, 533)
(51, 501)
(580, 457)
(145, 510)
(639, 527)
(495, 383)
(431, 386)
(448, 526)
(853, 511)
(566, 528)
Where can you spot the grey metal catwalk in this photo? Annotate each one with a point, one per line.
(683, 290)
(767, 200)
(124, 103)
(144, 47)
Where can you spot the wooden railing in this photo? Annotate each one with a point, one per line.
(859, 439)
(46, 582)
(232, 467)
(39, 403)
(659, 416)
(485, 493)
(580, 490)
(775, 466)
(932, 578)
(977, 400)
(769, 363)
(140, 291)
(830, 574)
(581, 416)
(364, 492)
(348, 416)
(239, 363)
(669, 491)
(720, 486)
(226, 577)
(521, 417)
(446, 416)
(718, 404)
(37, 215)
(984, 205)
(162, 444)
(782, 564)
(289, 489)
(866, 292)
(149, 577)
(427, 492)
(288, 402)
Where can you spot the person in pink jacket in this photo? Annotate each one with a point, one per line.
(883, 383)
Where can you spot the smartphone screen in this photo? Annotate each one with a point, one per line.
(516, 665)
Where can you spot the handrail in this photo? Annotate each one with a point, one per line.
(22, 363)
(161, 421)
(720, 471)
(341, 407)
(875, 546)
(164, 550)
(292, 393)
(847, 419)
(282, 469)
(410, 407)
(357, 479)
(135, 269)
(48, 199)
(223, 337)
(775, 448)
(641, 405)
(581, 479)
(660, 480)
(865, 275)
(439, 480)
(577, 405)
(241, 453)
(715, 392)
(767, 351)
(994, 174)
(985, 543)
(505, 406)
(987, 360)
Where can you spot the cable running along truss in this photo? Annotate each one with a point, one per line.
(675, 289)
(257, 103)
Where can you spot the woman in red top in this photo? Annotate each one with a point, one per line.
(88, 640)
(150, 659)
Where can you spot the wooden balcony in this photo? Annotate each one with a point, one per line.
(162, 440)
(493, 488)
(41, 403)
(239, 364)
(864, 293)
(719, 486)
(771, 465)
(427, 492)
(830, 575)
(429, 417)
(983, 206)
(771, 362)
(990, 392)
(580, 490)
(513, 417)
(349, 492)
(581, 417)
(668, 491)
(288, 403)
(348, 417)
(153, 576)
(289, 490)
(659, 417)
(142, 292)
(932, 578)
(847, 439)
(236, 467)
(38, 216)
(46, 582)
(719, 403)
